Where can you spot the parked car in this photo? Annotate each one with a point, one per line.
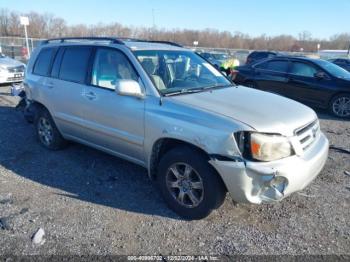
(11, 70)
(215, 58)
(342, 62)
(259, 55)
(167, 109)
(312, 81)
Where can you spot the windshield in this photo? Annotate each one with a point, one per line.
(179, 71)
(335, 70)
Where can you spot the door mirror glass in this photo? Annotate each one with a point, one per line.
(129, 88)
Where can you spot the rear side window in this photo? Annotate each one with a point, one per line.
(74, 64)
(276, 66)
(42, 64)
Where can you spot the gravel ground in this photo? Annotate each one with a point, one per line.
(89, 202)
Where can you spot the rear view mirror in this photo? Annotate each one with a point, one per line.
(129, 88)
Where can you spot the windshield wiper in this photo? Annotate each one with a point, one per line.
(216, 86)
(184, 91)
(195, 90)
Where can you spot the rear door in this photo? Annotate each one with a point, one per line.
(65, 88)
(304, 86)
(271, 76)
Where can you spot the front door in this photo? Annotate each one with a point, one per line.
(113, 122)
(304, 86)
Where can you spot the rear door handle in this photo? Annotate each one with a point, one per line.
(90, 95)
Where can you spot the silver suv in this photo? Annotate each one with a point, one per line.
(165, 108)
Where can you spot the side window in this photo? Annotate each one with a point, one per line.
(302, 69)
(74, 64)
(261, 65)
(277, 66)
(110, 66)
(42, 64)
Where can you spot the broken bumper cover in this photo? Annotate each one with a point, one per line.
(257, 182)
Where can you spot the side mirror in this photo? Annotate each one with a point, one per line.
(129, 88)
(320, 75)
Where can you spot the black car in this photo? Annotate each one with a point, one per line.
(259, 55)
(342, 62)
(311, 81)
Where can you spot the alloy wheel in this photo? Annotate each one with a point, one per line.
(341, 106)
(45, 131)
(185, 185)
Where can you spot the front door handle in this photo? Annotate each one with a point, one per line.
(90, 95)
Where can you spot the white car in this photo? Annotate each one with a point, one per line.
(11, 70)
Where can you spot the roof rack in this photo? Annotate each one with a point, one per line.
(116, 40)
(64, 39)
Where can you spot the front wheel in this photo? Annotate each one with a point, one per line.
(340, 106)
(189, 184)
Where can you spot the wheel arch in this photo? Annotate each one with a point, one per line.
(164, 145)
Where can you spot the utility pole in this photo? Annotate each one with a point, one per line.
(25, 22)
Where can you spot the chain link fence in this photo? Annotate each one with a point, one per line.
(15, 47)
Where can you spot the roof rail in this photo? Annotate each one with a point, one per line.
(149, 41)
(165, 42)
(64, 39)
(114, 40)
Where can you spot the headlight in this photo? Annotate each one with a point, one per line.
(264, 147)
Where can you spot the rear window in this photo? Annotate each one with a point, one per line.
(74, 64)
(42, 64)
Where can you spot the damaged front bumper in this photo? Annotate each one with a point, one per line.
(257, 182)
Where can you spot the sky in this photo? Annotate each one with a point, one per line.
(323, 18)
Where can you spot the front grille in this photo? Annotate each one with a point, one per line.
(308, 134)
(16, 69)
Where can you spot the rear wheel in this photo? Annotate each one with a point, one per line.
(189, 184)
(47, 132)
(340, 106)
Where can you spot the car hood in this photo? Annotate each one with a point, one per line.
(262, 111)
(9, 62)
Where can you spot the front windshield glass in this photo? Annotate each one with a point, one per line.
(334, 70)
(180, 71)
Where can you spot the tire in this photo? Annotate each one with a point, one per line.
(202, 183)
(47, 132)
(340, 106)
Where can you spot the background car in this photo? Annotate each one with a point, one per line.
(11, 70)
(342, 62)
(215, 58)
(259, 55)
(312, 81)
